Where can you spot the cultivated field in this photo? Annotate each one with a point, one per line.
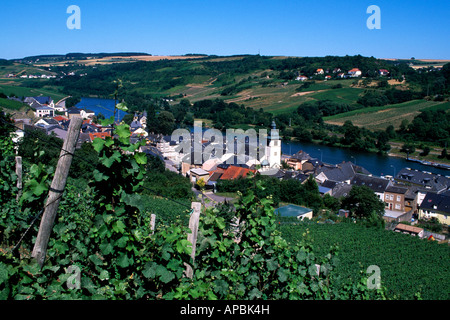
(116, 59)
(379, 118)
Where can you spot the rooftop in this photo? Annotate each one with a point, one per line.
(200, 172)
(408, 228)
(234, 172)
(434, 201)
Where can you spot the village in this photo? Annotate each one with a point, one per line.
(409, 196)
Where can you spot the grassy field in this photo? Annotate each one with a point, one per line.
(116, 59)
(284, 97)
(9, 88)
(379, 118)
(10, 104)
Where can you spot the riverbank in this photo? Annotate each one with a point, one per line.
(375, 163)
(432, 157)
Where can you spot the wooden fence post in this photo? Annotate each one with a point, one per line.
(56, 190)
(192, 237)
(152, 222)
(19, 176)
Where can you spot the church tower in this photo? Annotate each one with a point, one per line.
(273, 150)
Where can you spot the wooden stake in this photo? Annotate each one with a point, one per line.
(192, 237)
(152, 222)
(19, 176)
(56, 190)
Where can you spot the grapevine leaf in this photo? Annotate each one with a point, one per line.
(98, 144)
(122, 106)
(141, 158)
(123, 261)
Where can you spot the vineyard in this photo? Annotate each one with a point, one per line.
(409, 266)
(102, 244)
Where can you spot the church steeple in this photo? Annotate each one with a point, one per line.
(274, 147)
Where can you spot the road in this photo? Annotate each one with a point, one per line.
(213, 198)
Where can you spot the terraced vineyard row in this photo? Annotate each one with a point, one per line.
(409, 265)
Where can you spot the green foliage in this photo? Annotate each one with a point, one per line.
(36, 185)
(118, 257)
(363, 203)
(7, 162)
(38, 147)
(289, 190)
(410, 267)
(163, 182)
(119, 171)
(253, 261)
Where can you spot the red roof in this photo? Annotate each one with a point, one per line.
(60, 118)
(218, 170)
(233, 172)
(101, 135)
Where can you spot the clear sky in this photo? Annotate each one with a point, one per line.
(412, 28)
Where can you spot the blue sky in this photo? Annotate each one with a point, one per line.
(411, 28)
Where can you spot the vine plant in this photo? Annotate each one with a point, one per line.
(102, 233)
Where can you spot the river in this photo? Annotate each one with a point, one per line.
(376, 164)
(103, 106)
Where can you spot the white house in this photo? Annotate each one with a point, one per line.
(355, 72)
(301, 78)
(86, 113)
(44, 112)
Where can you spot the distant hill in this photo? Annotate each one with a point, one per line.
(79, 55)
(256, 81)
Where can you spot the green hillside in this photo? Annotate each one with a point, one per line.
(379, 118)
(20, 90)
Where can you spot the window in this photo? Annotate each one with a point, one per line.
(398, 198)
(397, 206)
(391, 197)
(387, 197)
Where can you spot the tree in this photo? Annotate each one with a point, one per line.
(351, 133)
(200, 184)
(391, 131)
(363, 203)
(408, 148)
(426, 150)
(382, 142)
(331, 203)
(166, 122)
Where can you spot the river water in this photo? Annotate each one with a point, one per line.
(376, 164)
(103, 106)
